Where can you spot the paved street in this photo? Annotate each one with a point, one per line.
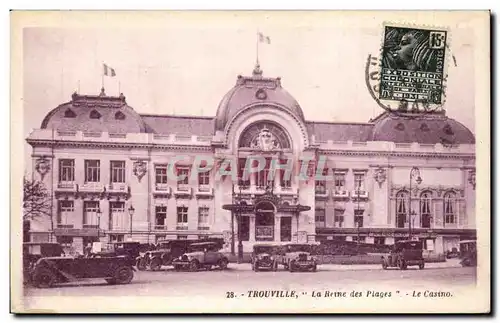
(239, 278)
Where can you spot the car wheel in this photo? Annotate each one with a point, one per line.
(44, 278)
(155, 264)
(223, 263)
(124, 275)
(291, 266)
(421, 266)
(193, 265)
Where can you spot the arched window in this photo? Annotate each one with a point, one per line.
(119, 116)
(401, 208)
(449, 208)
(425, 209)
(94, 114)
(69, 114)
(264, 136)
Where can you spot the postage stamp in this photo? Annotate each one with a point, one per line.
(413, 63)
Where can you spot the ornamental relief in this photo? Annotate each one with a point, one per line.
(264, 136)
(436, 191)
(42, 166)
(140, 169)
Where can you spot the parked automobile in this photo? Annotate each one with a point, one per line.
(49, 271)
(32, 251)
(130, 249)
(404, 253)
(201, 255)
(168, 250)
(453, 253)
(468, 253)
(265, 256)
(297, 256)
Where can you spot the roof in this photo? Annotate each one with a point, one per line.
(179, 125)
(94, 113)
(254, 89)
(422, 128)
(339, 131)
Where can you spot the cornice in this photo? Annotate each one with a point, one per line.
(373, 153)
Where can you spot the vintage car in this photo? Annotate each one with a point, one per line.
(265, 256)
(468, 253)
(404, 253)
(125, 248)
(166, 251)
(52, 270)
(32, 251)
(297, 256)
(201, 255)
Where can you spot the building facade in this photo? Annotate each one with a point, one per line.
(107, 170)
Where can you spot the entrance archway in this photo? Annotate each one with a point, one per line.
(264, 221)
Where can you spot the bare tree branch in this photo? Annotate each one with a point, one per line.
(36, 200)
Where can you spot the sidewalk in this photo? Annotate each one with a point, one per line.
(450, 263)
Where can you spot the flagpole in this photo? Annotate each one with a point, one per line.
(257, 48)
(102, 76)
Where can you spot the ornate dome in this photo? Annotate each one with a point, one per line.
(95, 113)
(424, 129)
(253, 90)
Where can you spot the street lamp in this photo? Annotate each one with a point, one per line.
(99, 213)
(240, 242)
(414, 175)
(131, 211)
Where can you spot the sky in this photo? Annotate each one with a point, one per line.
(183, 66)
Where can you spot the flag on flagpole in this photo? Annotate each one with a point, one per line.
(108, 71)
(264, 39)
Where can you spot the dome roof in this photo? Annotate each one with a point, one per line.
(95, 113)
(424, 129)
(251, 90)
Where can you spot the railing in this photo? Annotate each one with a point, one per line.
(264, 232)
(181, 226)
(160, 227)
(68, 185)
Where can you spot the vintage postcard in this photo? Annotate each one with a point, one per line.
(250, 162)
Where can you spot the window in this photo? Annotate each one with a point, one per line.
(66, 170)
(319, 217)
(90, 209)
(161, 174)
(203, 217)
(119, 116)
(183, 175)
(401, 208)
(321, 184)
(117, 171)
(358, 218)
(182, 215)
(182, 237)
(425, 210)
(65, 212)
(338, 219)
(263, 179)
(379, 240)
(116, 237)
(285, 175)
(243, 182)
(160, 217)
(69, 114)
(286, 228)
(204, 178)
(449, 208)
(359, 182)
(92, 171)
(118, 219)
(94, 114)
(245, 228)
(339, 182)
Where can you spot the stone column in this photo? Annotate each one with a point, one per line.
(277, 228)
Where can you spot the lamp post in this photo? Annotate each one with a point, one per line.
(99, 213)
(131, 211)
(414, 174)
(240, 242)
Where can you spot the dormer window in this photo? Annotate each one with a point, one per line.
(447, 130)
(69, 114)
(94, 114)
(400, 126)
(119, 116)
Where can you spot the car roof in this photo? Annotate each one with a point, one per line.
(467, 241)
(202, 243)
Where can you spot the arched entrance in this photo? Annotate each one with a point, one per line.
(264, 221)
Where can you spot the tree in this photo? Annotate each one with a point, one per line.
(36, 200)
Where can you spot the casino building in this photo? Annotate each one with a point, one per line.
(106, 166)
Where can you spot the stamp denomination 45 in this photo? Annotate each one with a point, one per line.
(413, 64)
